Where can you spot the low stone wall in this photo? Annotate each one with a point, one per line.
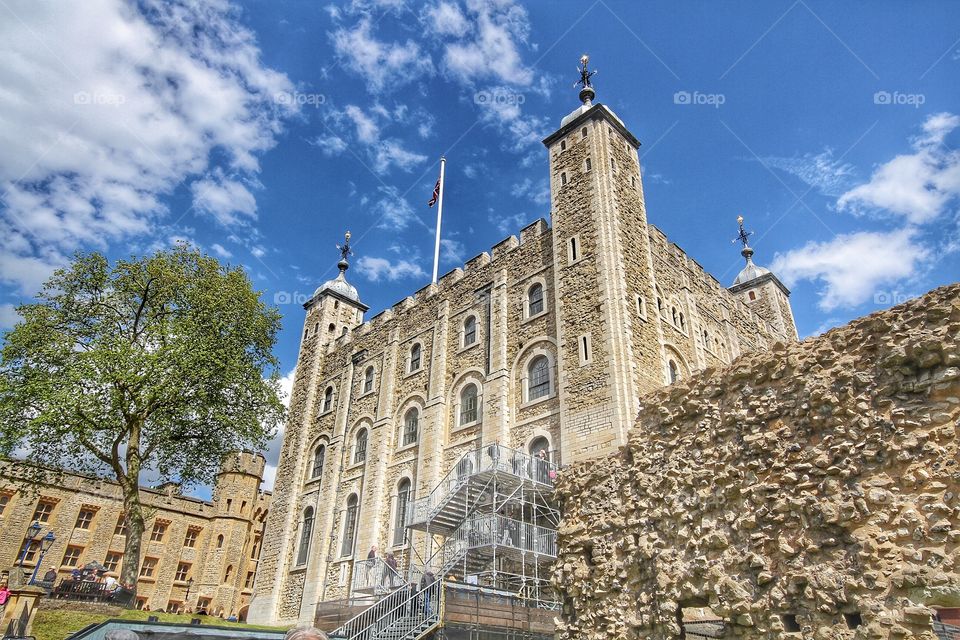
(810, 491)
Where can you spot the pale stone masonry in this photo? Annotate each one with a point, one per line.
(556, 334)
(216, 543)
(808, 491)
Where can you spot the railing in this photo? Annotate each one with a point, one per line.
(375, 576)
(493, 457)
(403, 615)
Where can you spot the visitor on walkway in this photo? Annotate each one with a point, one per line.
(4, 597)
(427, 580)
(392, 563)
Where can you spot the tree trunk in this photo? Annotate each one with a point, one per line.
(133, 520)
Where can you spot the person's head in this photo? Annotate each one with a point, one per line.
(121, 634)
(305, 633)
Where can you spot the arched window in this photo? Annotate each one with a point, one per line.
(228, 573)
(414, 358)
(332, 328)
(368, 380)
(752, 295)
(538, 385)
(673, 311)
(318, 455)
(219, 541)
(360, 447)
(411, 426)
(306, 532)
(328, 399)
(535, 300)
(683, 324)
(674, 371)
(538, 444)
(350, 525)
(469, 331)
(468, 404)
(400, 521)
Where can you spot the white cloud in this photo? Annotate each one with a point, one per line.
(538, 192)
(367, 130)
(852, 267)
(221, 251)
(492, 51)
(8, 315)
(446, 19)
(917, 186)
(820, 171)
(510, 225)
(107, 109)
(228, 201)
(376, 269)
(393, 211)
(451, 250)
(330, 145)
(392, 153)
(384, 65)
(272, 454)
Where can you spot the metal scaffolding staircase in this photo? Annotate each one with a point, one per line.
(495, 512)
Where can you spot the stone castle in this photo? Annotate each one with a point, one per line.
(544, 343)
(806, 492)
(195, 554)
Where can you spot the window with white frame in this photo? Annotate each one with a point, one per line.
(327, 399)
(415, 355)
(468, 404)
(538, 382)
(350, 525)
(318, 456)
(411, 426)
(368, 380)
(360, 447)
(306, 532)
(535, 300)
(469, 331)
(400, 518)
(673, 371)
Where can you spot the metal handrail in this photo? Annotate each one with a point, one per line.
(493, 457)
(376, 576)
(404, 615)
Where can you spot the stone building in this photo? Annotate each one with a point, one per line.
(210, 547)
(545, 342)
(806, 492)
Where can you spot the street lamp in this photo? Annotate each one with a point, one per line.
(32, 532)
(189, 584)
(45, 545)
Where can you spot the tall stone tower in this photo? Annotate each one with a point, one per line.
(332, 312)
(762, 291)
(601, 250)
(235, 499)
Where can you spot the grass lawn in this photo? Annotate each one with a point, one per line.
(59, 623)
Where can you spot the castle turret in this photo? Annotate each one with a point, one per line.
(761, 290)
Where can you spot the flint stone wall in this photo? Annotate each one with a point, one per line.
(801, 484)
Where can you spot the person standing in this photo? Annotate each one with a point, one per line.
(425, 582)
(4, 598)
(392, 563)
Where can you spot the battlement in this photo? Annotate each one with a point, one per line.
(445, 284)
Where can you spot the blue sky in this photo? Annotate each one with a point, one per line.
(262, 130)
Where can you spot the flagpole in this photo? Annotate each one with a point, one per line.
(436, 248)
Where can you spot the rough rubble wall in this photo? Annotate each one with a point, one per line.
(811, 481)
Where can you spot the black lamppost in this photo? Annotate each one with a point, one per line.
(189, 584)
(32, 532)
(45, 545)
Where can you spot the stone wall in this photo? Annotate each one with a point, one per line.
(237, 513)
(807, 491)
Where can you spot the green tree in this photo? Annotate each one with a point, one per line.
(152, 364)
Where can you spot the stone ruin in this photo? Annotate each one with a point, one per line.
(810, 491)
